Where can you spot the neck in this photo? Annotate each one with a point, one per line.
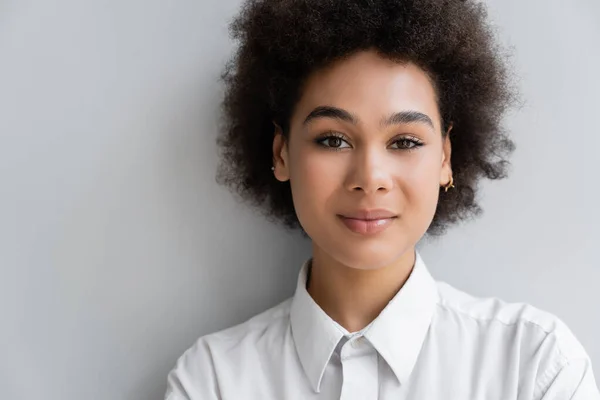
(354, 297)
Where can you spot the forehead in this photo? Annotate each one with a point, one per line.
(370, 86)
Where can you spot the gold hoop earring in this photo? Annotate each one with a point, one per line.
(449, 185)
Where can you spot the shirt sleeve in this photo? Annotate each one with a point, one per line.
(574, 381)
(193, 377)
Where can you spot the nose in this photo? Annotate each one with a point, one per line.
(370, 172)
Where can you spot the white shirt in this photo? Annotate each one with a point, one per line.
(431, 342)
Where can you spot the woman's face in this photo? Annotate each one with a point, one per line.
(365, 136)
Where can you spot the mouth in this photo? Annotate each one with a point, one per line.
(368, 222)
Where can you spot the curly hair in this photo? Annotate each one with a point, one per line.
(281, 42)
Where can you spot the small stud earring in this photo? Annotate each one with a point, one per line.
(272, 168)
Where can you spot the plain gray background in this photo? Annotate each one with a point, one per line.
(118, 249)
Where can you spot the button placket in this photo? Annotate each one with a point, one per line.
(360, 372)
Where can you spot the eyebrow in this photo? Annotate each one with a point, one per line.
(402, 117)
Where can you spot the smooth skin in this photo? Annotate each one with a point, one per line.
(368, 164)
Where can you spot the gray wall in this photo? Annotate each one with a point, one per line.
(118, 249)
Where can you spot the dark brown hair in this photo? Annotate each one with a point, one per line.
(281, 42)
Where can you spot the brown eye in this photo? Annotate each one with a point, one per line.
(407, 144)
(334, 142)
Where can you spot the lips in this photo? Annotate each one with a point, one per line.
(368, 222)
(370, 214)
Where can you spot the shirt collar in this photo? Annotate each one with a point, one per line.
(397, 333)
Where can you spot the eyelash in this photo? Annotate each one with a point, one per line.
(416, 143)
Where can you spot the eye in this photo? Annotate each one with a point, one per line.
(408, 143)
(333, 141)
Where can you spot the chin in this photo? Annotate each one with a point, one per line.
(369, 256)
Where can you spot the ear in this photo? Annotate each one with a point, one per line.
(280, 155)
(446, 170)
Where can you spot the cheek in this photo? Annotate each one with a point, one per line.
(314, 178)
(421, 188)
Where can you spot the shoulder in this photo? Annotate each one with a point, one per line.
(510, 315)
(195, 369)
(519, 336)
(270, 321)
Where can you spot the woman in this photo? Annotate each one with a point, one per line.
(368, 124)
